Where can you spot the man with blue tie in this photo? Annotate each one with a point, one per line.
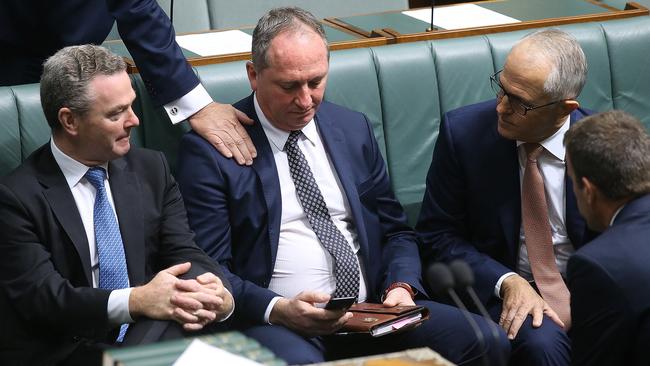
(498, 196)
(314, 217)
(608, 160)
(96, 248)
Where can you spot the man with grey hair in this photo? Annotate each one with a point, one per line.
(516, 227)
(608, 160)
(96, 248)
(315, 217)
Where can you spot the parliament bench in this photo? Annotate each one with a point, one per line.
(404, 90)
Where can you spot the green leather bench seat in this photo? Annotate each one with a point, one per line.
(404, 90)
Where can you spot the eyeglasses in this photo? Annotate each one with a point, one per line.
(516, 104)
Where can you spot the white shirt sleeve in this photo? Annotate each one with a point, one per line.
(497, 288)
(118, 306)
(187, 105)
(267, 313)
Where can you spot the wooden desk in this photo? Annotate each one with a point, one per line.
(400, 28)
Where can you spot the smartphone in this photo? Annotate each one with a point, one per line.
(340, 303)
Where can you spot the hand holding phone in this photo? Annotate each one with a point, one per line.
(340, 303)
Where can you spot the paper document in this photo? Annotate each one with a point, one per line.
(216, 43)
(199, 353)
(460, 16)
(396, 325)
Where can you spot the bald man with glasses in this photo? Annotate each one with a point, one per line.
(499, 198)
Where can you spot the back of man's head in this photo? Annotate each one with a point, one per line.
(67, 74)
(611, 150)
(563, 54)
(277, 21)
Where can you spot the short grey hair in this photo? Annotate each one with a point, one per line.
(612, 150)
(568, 62)
(277, 21)
(67, 74)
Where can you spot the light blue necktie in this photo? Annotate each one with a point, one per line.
(112, 261)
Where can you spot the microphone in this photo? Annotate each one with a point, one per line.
(464, 278)
(441, 281)
(431, 27)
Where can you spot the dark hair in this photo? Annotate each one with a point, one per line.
(67, 74)
(277, 21)
(612, 150)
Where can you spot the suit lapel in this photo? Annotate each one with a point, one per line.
(574, 222)
(336, 147)
(507, 167)
(125, 189)
(266, 170)
(63, 206)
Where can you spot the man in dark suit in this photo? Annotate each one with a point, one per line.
(608, 160)
(32, 30)
(473, 202)
(319, 177)
(94, 237)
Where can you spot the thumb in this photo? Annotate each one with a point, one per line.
(179, 269)
(242, 117)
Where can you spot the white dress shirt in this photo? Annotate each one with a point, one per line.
(552, 166)
(84, 197)
(302, 263)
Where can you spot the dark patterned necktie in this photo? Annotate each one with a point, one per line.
(110, 249)
(346, 266)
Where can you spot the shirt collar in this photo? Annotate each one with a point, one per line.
(555, 143)
(279, 137)
(72, 170)
(611, 222)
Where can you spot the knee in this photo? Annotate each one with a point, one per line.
(544, 345)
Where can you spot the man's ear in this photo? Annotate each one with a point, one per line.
(569, 106)
(252, 75)
(69, 121)
(592, 193)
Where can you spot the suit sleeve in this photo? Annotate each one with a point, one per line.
(176, 239)
(206, 192)
(443, 225)
(400, 259)
(600, 326)
(149, 36)
(35, 289)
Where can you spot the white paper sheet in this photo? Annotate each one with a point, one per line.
(199, 353)
(460, 16)
(216, 43)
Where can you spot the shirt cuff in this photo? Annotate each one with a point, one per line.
(118, 306)
(231, 311)
(267, 313)
(497, 288)
(186, 106)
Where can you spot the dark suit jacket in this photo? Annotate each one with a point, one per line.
(472, 203)
(610, 302)
(235, 210)
(47, 303)
(32, 30)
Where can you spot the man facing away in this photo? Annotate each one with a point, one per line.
(314, 217)
(608, 160)
(96, 248)
(498, 196)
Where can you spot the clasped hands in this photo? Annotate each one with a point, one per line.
(301, 314)
(194, 303)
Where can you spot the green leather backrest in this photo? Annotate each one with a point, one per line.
(189, 15)
(10, 151)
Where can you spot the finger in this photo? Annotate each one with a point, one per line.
(188, 286)
(553, 315)
(249, 146)
(179, 269)
(192, 327)
(242, 117)
(517, 321)
(207, 301)
(506, 319)
(186, 302)
(208, 278)
(181, 316)
(313, 297)
(538, 316)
